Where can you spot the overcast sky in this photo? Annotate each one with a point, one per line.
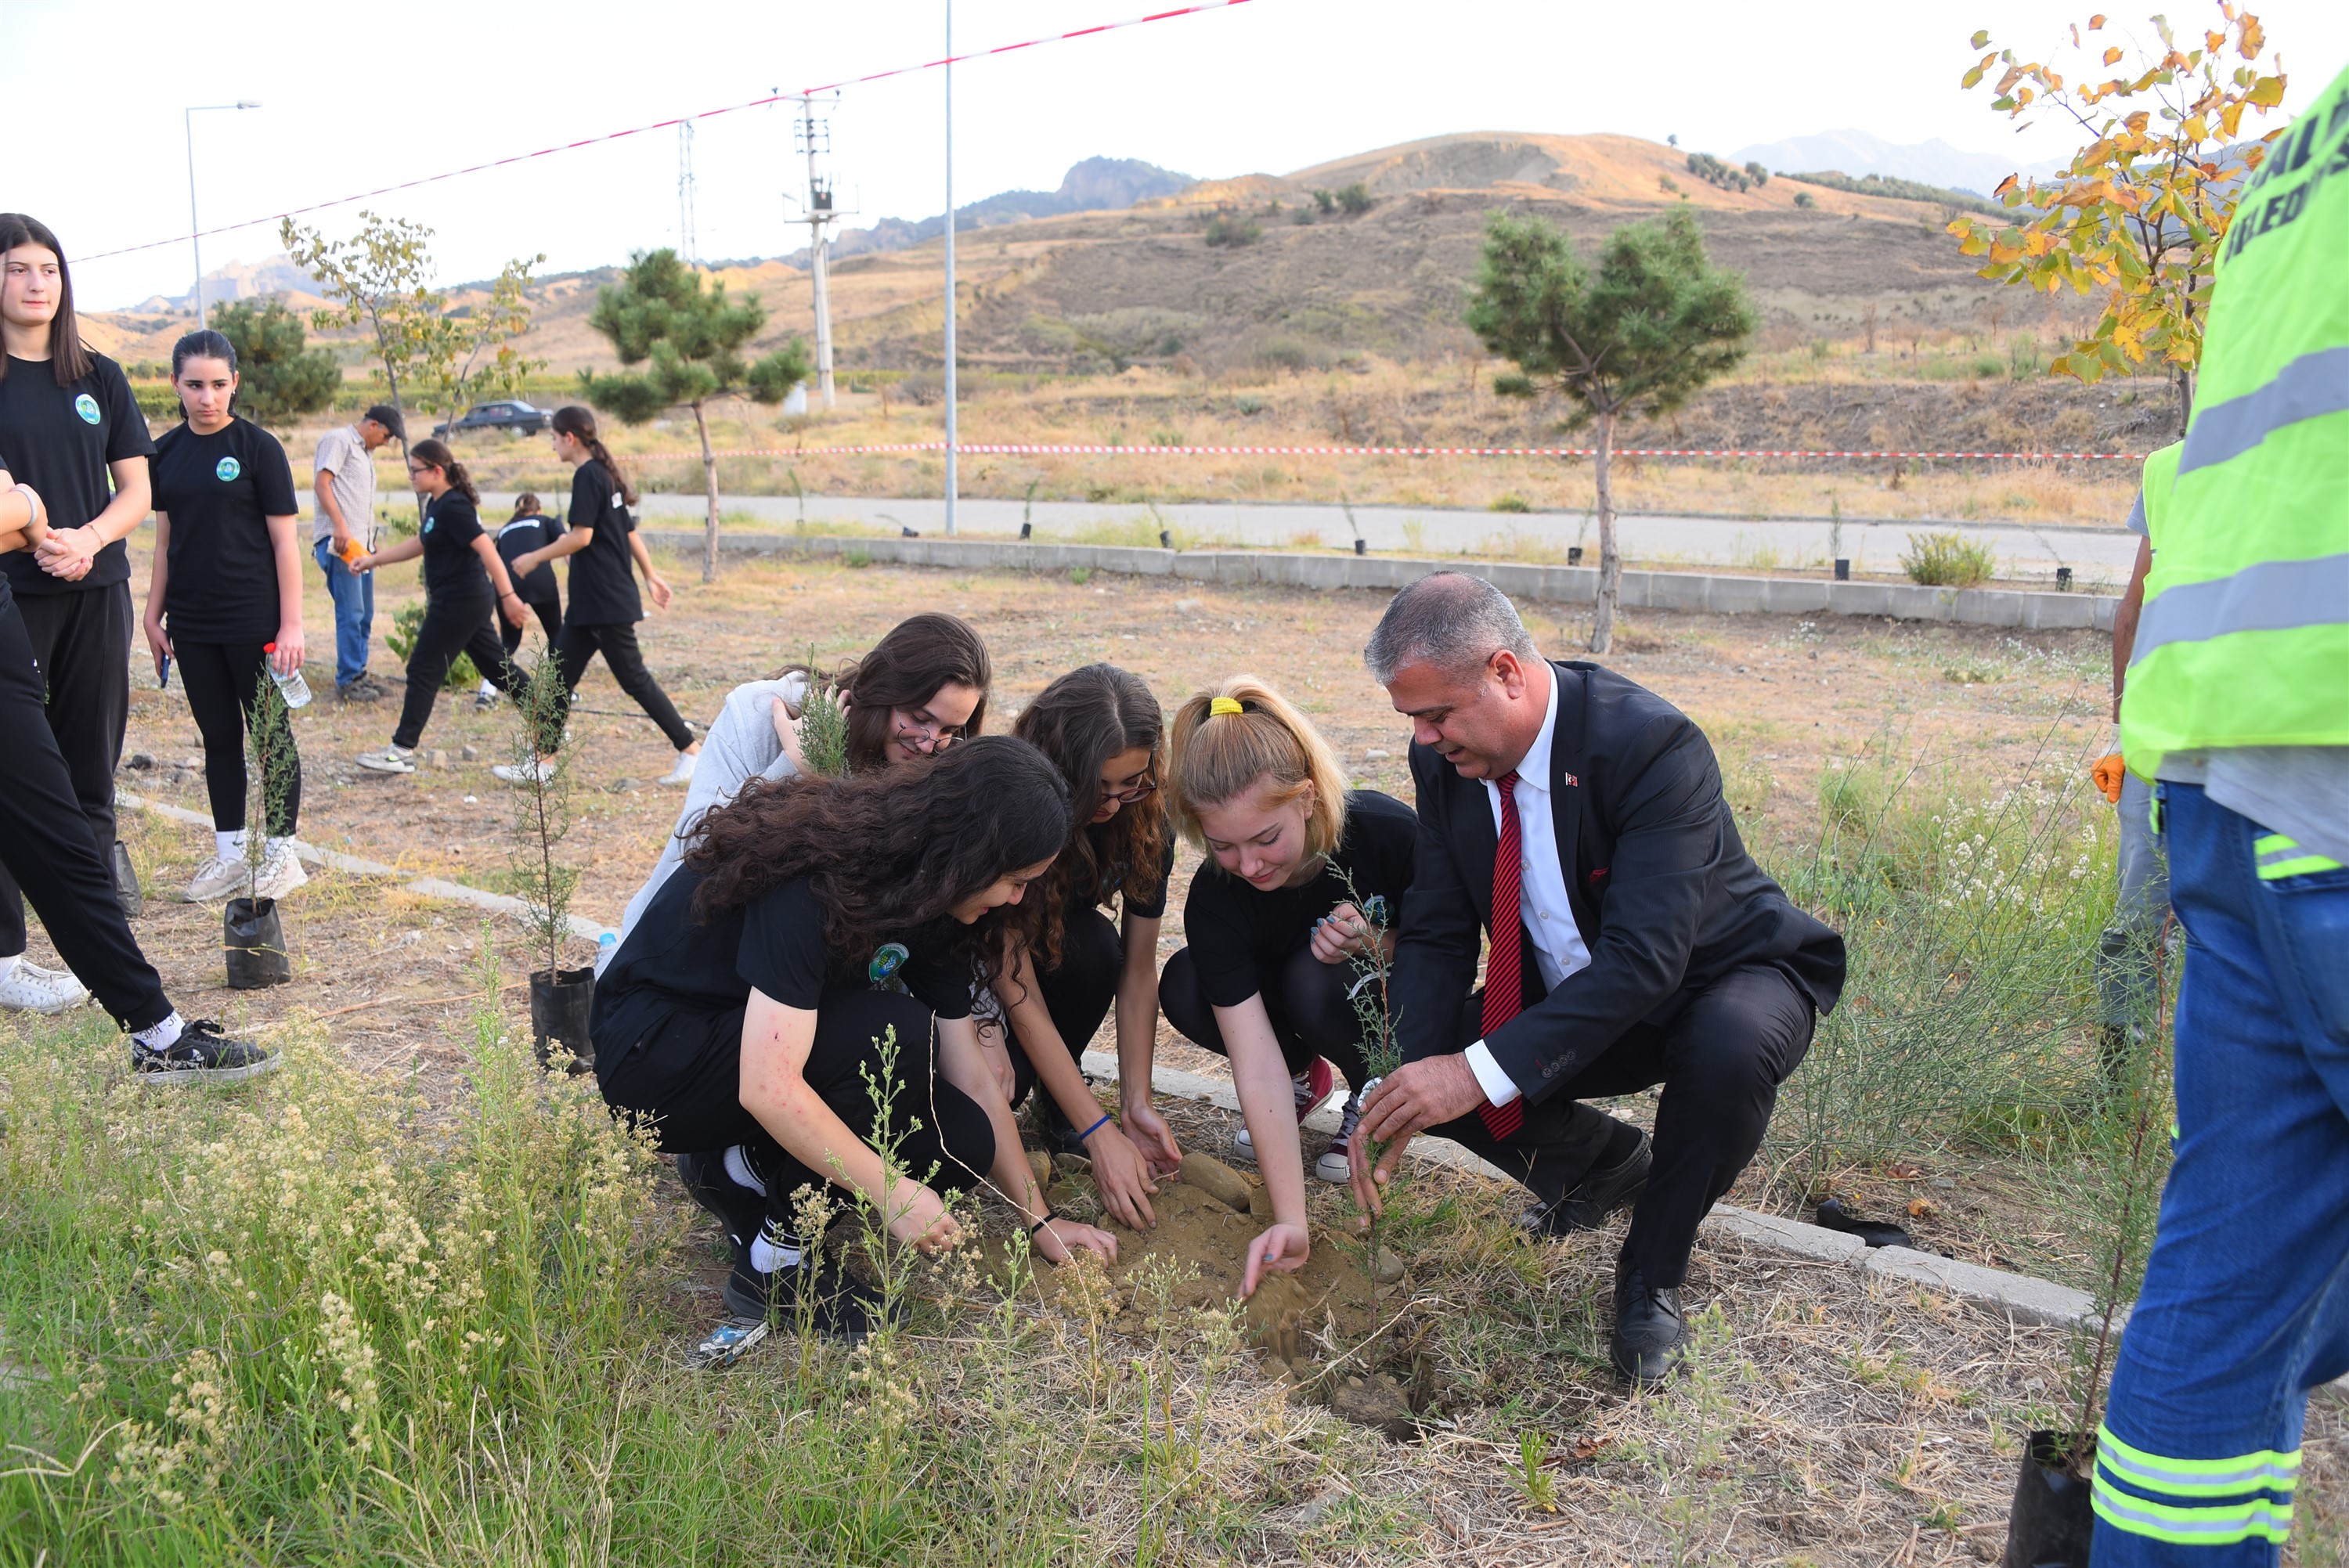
(356, 96)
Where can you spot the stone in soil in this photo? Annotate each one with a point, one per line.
(1217, 1181)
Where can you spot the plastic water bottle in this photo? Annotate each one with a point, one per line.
(605, 945)
(293, 687)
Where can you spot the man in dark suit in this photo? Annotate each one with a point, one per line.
(1636, 943)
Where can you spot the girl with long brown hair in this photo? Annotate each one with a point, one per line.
(466, 588)
(603, 545)
(921, 690)
(73, 431)
(1102, 729)
(1267, 980)
(823, 937)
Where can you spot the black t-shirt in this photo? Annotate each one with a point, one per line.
(1233, 928)
(776, 943)
(219, 491)
(603, 575)
(61, 440)
(519, 538)
(453, 567)
(1112, 881)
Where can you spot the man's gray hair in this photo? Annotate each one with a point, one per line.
(1451, 621)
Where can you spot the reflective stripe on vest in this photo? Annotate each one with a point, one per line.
(2279, 857)
(2244, 635)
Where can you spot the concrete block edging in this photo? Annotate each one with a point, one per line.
(1718, 594)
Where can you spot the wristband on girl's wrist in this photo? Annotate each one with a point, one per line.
(1048, 1219)
(1096, 1127)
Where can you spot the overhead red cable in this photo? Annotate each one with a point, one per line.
(665, 124)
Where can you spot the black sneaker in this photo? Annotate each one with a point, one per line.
(202, 1054)
(845, 1308)
(1598, 1195)
(739, 1210)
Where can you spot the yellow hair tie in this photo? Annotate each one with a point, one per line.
(1224, 705)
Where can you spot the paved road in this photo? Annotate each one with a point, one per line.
(2099, 557)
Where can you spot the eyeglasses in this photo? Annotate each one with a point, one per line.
(909, 728)
(1142, 791)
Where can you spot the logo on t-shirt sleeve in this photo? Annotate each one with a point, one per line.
(228, 469)
(87, 407)
(616, 498)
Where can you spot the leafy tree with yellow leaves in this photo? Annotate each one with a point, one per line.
(2140, 211)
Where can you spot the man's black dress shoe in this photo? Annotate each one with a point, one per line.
(1650, 1335)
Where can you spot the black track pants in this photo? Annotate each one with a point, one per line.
(50, 851)
(617, 643)
(1077, 991)
(1305, 998)
(80, 644)
(682, 1072)
(463, 627)
(223, 686)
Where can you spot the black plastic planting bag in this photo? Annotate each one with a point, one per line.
(254, 945)
(2050, 1523)
(559, 1004)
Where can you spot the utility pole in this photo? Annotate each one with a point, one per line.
(951, 485)
(814, 137)
(195, 225)
(686, 248)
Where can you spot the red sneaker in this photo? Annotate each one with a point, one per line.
(1314, 1086)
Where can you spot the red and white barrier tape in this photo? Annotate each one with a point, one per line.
(1011, 450)
(665, 124)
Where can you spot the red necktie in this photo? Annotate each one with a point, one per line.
(1504, 963)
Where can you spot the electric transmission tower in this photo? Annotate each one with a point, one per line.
(812, 137)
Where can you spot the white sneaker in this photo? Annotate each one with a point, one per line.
(217, 879)
(29, 988)
(538, 770)
(391, 759)
(281, 873)
(683, 772)
(1333, 1165)
(1244, 1144)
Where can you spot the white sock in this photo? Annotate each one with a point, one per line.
(738, 1168)
(163, 1035)
(278, 847)
(8, 964)
(767, 1256)
(229, 846)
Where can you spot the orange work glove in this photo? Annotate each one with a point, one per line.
(2109, 772)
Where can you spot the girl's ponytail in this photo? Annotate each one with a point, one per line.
(1229, 737)
(576, 422)
(433, 452)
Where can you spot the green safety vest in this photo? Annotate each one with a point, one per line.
(2153, 490)
(2244, 637)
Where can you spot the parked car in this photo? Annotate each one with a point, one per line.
(508, 413)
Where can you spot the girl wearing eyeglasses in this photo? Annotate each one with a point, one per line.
(1102, 729)
(922, 688)
(1268, 979)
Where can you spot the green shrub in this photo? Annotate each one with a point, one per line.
(1231, 229)
(857, 555)
(401, 641)
(1948, 560)
(1805, 199)
(1713, 171)
(1356, 200)
(1511, 502)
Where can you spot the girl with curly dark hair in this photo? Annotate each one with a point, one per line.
(813, 920)
(1103, 730)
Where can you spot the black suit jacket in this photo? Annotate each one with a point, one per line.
(1661, 888)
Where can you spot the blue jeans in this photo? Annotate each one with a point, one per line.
(2246, 1300)
(353, 596)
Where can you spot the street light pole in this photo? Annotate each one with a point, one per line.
(188, 120)
(951, 476)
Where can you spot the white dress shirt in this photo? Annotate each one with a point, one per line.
(1559, 949)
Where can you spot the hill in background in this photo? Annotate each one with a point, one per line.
(1857, 152)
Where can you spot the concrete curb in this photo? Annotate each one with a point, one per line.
(2020, 1297)
(351, 865)
(1719, 595)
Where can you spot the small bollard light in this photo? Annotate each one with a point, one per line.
(1574, 555)
(2062, 580)
(1843, 569)
(1166, 539)
(1361, 547)
(905, 532)
(1026, 528)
